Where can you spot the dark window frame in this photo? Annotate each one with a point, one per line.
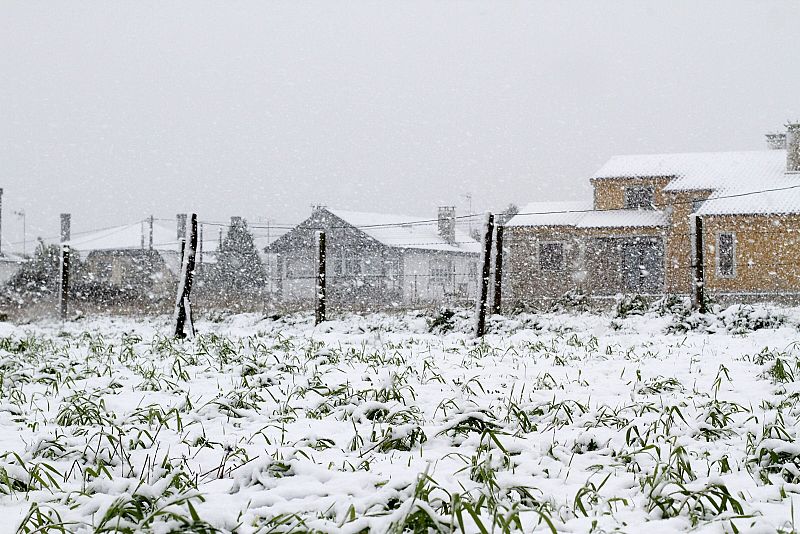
(551, 256)
(726, 267)
(640, 197)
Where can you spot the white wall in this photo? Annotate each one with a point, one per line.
(419, 287)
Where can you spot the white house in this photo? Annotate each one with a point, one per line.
(377, 260)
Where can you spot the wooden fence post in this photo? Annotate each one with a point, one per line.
(480, 320)
(698, 289)
(319, 315)
(498, 271)
(63, 293)
(183, 307)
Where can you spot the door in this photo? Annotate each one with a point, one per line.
(643, 265)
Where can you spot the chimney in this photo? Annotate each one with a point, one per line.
(793, 147)
(181, 217)
(447, 223)
(66, 220)
(776, 141)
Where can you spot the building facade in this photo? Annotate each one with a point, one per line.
(637, 233)
(377, 261)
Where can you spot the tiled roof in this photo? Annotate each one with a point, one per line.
(701, 170)
(580, 214)
(398, 231)
(566, 213)
(623, 219)
(754, 182)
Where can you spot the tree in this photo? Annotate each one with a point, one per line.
(511, 210)
(41, 273)
(238, 265)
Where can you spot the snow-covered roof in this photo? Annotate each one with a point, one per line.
(403, 231)
(134, 236)
(623, 219)
(10, 257)
(566, 213)
(579, 214)
(701, 170)
(754, 182)
(783, 199)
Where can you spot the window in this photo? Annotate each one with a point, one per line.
(372, 266)
(639, 198)
(726, 254)
(335, 262)
(697, 204)
(351, 264)
(442, 272)
(551, 256)
(299, 268)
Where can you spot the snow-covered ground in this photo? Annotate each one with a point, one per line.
(556, 422)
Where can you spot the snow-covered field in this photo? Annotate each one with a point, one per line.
(557, 422)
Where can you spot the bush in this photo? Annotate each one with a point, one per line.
(628, 305)
(442, 321)
(574, 300)
(671, 305)
(739, 319)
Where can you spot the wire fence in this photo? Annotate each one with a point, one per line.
(545, 266)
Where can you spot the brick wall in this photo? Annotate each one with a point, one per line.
(767, 253)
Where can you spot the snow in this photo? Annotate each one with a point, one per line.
(736, 179)
(749, 200)
(129, 237)
(397, 231)
(580, 214)
(699, 170)
(563, 213)
(372, 423)
(623, 219)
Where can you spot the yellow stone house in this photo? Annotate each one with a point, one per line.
(637, 234)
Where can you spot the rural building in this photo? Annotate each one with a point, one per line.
(636, 234)
(378, 260)
(144, 257)
(9, 265)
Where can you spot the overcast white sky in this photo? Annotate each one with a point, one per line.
(116, 110)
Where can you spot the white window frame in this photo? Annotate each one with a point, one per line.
(563, 265)
(718, 250)
(442, 271)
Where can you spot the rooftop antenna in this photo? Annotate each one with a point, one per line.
(21, 214)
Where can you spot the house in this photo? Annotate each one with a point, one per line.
(636, 234)
(378, 260)
(9, 265)
(143, 257)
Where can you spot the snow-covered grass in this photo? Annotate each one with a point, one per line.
(555, 422)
